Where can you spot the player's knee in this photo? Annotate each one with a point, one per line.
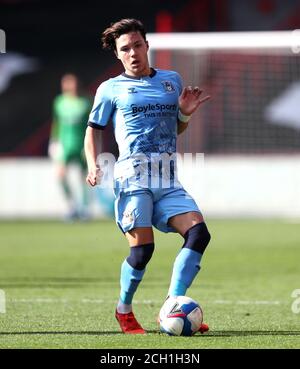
(197, 238)
(140, 256)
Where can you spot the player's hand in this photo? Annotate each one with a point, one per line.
(190, 99)
(94, 176)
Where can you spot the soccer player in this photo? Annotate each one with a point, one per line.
(148, 108)
(70, 113)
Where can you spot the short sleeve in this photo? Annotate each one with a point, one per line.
(103, 107)
(178, 80)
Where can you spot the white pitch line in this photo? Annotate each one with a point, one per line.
(146, 302)
(246, 302)
(39, 300)
(258, 302)
(84, 301)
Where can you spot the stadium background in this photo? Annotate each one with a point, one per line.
(61, 280)
(61, 36)
(46, 39)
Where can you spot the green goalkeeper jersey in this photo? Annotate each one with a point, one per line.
(70, 121)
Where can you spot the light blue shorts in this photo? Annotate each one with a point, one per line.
(136, 206)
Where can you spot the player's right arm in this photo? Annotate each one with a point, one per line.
(98, 119)
(92, 150)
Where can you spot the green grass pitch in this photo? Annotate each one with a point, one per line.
(61, 284)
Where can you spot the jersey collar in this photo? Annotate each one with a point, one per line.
(151, 75)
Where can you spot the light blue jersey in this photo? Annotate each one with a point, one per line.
(144, 114)
(143, 111)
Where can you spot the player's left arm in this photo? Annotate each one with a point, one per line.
(189, 101)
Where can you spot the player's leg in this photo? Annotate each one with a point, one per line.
(141, 244)
(135, 221)
(176, 211)
(61, 173)
(193, 229)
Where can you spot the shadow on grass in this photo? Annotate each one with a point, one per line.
(206, 335)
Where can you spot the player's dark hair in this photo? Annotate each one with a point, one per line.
(119, 28)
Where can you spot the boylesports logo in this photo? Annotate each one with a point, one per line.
(152, 108)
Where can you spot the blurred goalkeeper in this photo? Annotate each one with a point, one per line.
(148, 108)
(70, 112)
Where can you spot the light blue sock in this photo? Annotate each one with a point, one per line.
(130, 279)
(185, 269)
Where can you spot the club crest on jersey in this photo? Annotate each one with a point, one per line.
(168, 86)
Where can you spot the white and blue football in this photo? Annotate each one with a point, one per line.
(180, 316)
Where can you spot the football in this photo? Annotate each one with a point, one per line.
(180, 316)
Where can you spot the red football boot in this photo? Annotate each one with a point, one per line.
(203, 328)
(129, 324)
